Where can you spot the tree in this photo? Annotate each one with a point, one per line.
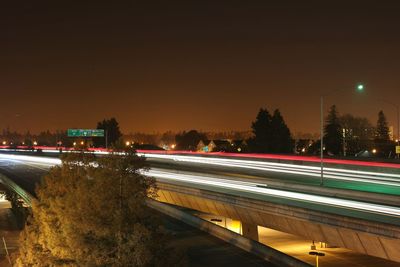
(168, 138)
(111, 130)
(189, 140)
(382, 137)
(382, 129)
(92, 212)
(281, 140)
(261, 128)
(358, 133)
(333, 137)
(46, 138)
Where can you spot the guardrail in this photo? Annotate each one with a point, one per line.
(25, 196)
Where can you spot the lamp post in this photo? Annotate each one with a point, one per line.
(360, 88)
(316, 254)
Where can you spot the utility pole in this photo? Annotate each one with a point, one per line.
(359, 88)
(106, 133)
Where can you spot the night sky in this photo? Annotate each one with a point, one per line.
(209, 65)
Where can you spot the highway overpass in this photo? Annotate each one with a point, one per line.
(357, 208)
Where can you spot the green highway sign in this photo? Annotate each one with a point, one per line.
(85, 133)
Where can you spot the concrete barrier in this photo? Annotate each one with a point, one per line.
(272, 255)
(25, 196)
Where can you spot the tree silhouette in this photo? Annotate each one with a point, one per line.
(281, 140)
(261, 127)
(359, 133)
(382, 137)
(382, 129)
(189, 140)
(333, 137)
(111, 130)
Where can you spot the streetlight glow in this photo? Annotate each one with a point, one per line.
(360, 87)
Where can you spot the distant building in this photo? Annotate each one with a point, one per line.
(205, 146)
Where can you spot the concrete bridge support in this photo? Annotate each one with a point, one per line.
(250, 231)
(371, 238)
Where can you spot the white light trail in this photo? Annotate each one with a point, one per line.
(254, 188)
(44, 160)
(378, 178)
(243, 186)
(313, 171)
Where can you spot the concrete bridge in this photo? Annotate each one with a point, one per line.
(360, 235)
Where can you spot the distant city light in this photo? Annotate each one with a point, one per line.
(360, 87)
(35, 143)
(128, 143)
(374, 151)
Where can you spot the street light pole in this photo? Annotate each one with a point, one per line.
(398, 125)
(359, 88)
(322, 140)
(106, 132)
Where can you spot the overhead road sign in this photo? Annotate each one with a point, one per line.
(85, 133)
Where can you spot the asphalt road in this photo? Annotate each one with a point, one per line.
(24, 174)
(335, 178)
(27, 172)
(203, 249)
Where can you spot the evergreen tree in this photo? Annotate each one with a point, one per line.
(333, 137)
(281, 140)
(111, 129)
(261, 127)
(92, 212)
(382, 129)
(382, 138)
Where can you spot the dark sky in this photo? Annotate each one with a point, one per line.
(209, 65)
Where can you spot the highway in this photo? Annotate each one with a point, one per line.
(206, 173)
(370, 181)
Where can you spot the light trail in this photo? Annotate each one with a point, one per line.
(242, 186)
(330, 173)
(378, 178)
(254, 188)
(44, 160)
